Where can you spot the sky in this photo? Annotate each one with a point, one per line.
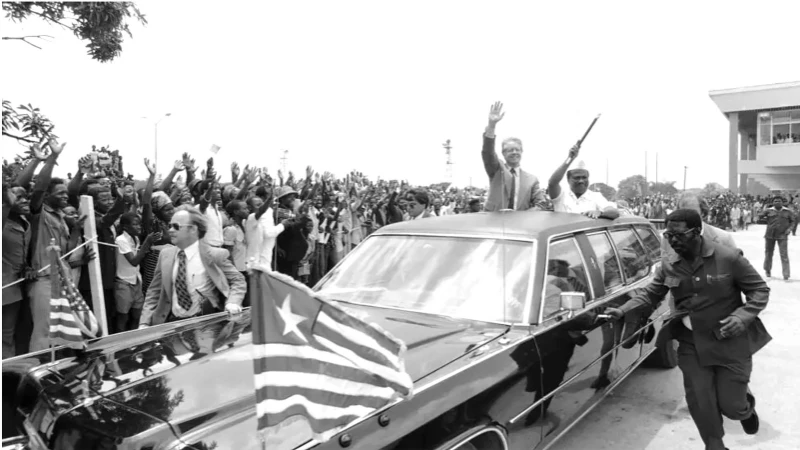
(378, 87)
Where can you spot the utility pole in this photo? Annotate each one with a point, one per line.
(284, 160)
(449, 167)
(645, 174)
(656, 167)
(684, 177)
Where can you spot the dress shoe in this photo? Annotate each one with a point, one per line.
(750, 425)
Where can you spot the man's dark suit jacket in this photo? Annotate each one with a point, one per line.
(500, 183)
(710, 290)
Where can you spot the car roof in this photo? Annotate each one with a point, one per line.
(505, 224)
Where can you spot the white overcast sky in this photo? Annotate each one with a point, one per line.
(379, 86)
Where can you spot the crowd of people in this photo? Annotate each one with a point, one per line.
(299, 226)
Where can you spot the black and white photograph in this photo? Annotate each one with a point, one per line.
(255, 225)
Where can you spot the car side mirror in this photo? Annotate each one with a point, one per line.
(572, 302)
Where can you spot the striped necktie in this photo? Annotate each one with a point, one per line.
(513, 189)
(184, 299)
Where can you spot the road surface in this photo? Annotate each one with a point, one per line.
(648, 411)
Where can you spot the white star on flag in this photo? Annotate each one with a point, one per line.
(290, 319)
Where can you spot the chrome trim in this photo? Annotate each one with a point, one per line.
(490, 429)
(529, 293)
(623, 376)
(544, 285)
(500, 236)
(616, 255)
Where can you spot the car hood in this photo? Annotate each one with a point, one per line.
(189, 373)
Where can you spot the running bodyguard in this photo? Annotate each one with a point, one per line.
(722, 332)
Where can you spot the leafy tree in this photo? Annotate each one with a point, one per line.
(100, 23)
(607, 191)
(633, 186)
(712, 190)
(26, 123)
(664, 188)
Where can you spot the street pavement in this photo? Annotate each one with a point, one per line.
(648, 410)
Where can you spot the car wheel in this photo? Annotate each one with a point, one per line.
(665, 356)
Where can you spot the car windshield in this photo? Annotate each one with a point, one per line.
(472, 278)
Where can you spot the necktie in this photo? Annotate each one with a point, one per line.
(513, 189)
(184, 299)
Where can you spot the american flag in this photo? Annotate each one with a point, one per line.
(71, 321)
(313, 360)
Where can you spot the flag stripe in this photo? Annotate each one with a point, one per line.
(322, 388)
(316, 410)
(312, 360)
(384, 339)
(367, 347)
(386, 373)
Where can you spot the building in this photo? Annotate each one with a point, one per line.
(764, 136)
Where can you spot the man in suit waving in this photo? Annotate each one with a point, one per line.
(192, 279)
(510, 187)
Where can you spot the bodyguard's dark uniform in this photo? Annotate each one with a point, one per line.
(708, 289)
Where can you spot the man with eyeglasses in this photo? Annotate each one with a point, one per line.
(722, 333)
(192, 278)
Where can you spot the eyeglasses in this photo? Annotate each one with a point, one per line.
(670, 234)
(178, 226)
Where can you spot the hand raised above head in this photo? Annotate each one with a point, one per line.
(496, 113)
(150, 167)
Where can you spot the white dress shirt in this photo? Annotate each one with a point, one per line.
(213, 236)
(589, 201)
(260, 236)
(198, 282)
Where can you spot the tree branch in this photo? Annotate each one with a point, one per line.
(52, 20)
(20, 138)
(25, 39)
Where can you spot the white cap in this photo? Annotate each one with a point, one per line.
(580, 166)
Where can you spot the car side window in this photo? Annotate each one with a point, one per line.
(635, 259)
(607, 261)
(651, 242)
(565, 273)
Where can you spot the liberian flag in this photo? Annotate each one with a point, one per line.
(71, 321)
(315, 361)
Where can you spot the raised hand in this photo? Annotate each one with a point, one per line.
(179, 165)
(280, 174)
(496, 113)
(36, 152)
(234, 171)
(309, 173)
(575, 150)
(85, 165)
(150, 167)
(55, 147)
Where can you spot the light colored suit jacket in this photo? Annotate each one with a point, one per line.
(229, 282)
(500, 183)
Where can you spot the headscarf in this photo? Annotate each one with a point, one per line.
(160, 200)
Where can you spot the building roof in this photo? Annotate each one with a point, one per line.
(509, 224)
(757, 98)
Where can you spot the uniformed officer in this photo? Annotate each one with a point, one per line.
(718, 332)
(780, 222)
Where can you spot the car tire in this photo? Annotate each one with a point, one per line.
(665, 356)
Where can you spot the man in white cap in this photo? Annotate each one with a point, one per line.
(579, 199)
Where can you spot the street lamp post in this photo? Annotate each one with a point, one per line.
(155, 126)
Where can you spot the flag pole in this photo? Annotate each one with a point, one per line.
(55, 285)
(95, 276)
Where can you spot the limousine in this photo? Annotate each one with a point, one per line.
(501, 314)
